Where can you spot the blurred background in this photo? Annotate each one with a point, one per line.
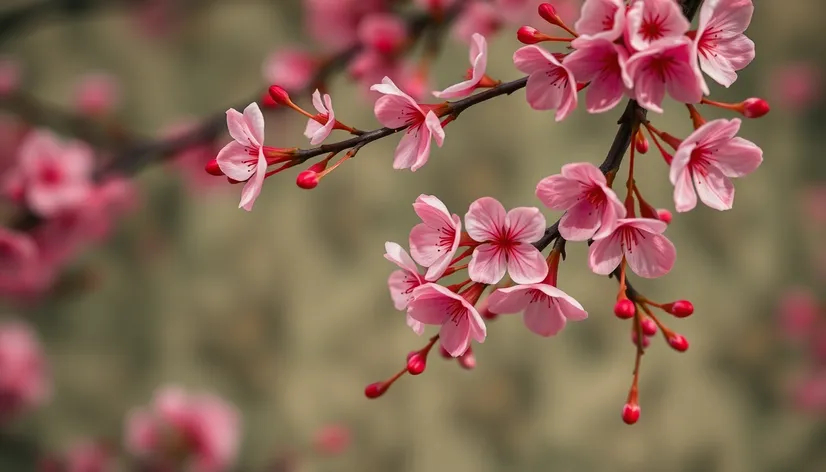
(284, 312)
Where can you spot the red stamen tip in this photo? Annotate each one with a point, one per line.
(624, 309)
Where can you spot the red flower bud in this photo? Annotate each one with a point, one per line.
(267, 101)
(646, 341)
(678, 342)
(624, 309)
(527, 35)
(467, 360)
(649, 328)
(279, 95)
(548, 13)
(664, 216)
(641, 143)
(213, 168)
(307, 179)
(630, 413)
(755, 107)
(375, 390)
(416, 363)
(680, 308)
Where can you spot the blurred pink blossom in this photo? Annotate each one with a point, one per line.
(24, 377)
(810, 395)
(332, 439)
(9, 76)
(796, 85)
(97, 94)
(477, 17)
(798, 312)
(290, 68)
(334, 23)
(87, 456)
(201, 428)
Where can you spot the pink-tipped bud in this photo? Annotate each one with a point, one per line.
(664, 216)
(213, 168)
(641, 143)
(646, 341)
(678, 342)
(307, 179)
(467, 360)
(375, 390)
(624, 309)
(680, 308)
(647, 211)
(279, 95)
(755, 107)
(548, 13)
(267, 101)
(416, 363)
(649, 328)
(630, 413)
(528, 35)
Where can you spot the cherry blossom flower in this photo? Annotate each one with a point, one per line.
(434, 241)
(9, 76)
(651, 20)
(18, 254)
(478, 62)
(403, 282)
(667, 65)
(592, 208)
(24, 377)
(243, 159)
(290, 68)
(546, 308)
(316, 131)
(798, 312)
(478, 16)
(640, 241)
(603, 19)
(810, 395)
(203, 427)
(506, 242)
(797, 85)
(382, 32)
(707, 160)
(88, 456)
(56, 175)
(551, 85)
(396, 109)
(722, 47)
(96, 94)
(602, 63)
(433, 304)
(332, 439)
(190, 161)
(334, 23)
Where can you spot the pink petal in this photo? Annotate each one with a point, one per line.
(685, 198)
(397, 255)
(488, 264)
(652, 257)
(510, 299)
(596, 15)
(558, 192)
(399, 284)
(478, 61)
(416, 326)
(455, 336)
(667, 15)
(253, 186)
(714, 189)
(430, 305)
(394, 111)
(485, 219)
(580, 222)
(544, 317)
(738, 157)
(525, 224)
(254, 124)
(526, 265)
(422, 148)
(570, 308)
(408, 149)
(533, 59)
(318, 103)
(424, 245)
(233, 160)
(605, 255)
(612, 211)
(433, 212)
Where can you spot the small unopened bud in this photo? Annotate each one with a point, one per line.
(630, 413)
(680, 308)
(647, 211)
(279, 95)
(443, 352)
(548, 13)
(755, 107)
(649, 328)
(678, 342)
(467, 360)
(375, 390)
(213, 168)
(267, 101)
(624, 309)
(664, 216)
(528, 35)
(416, 363)
(641, 143)
(307, 179)
(646, 341)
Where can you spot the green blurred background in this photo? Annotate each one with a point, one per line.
(285, 312)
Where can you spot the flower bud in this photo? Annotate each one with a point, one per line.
(443, 352)
(548, 13)
(307, 179)
(664, 216)
(641, 143)
(678, 342)
(213, 168)
(267, 101)
(646, 341)
(375, 390)
(649, 327)
(680, 308)
(416, 363)
(279, 95)
(630, 413)
(467, 360)
(528, 35)
(624, 309)
(755, 107)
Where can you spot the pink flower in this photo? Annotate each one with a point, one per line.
(191, 160)
(9, 76)
(332, 439)
(243, 159)
(602, 63)
(96, 94)
(722, 47)
(403, 282)
(202, 426)
(24, 377)
(334, 23)
(292, 69)
(651, 20)
(434, 241)
(382, 32)
(796, 85)
(478, 62)
(88, 456)
(56, 175)
(707, 160)
(546, 308)
(396, 109)
(506, 242)
(477, 16)
(316, 131)
(798, 312)
(640, 241)
(810, 395)
(551, 85)
(603, 19)
(433, 304)
(18, 256)
(668, 65)
(592, 208)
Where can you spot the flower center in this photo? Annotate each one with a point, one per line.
(699, 161)
(50, 174)
(557, 76)
(630, 237)
(662, 66)
(653, 28)
(457, 312)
